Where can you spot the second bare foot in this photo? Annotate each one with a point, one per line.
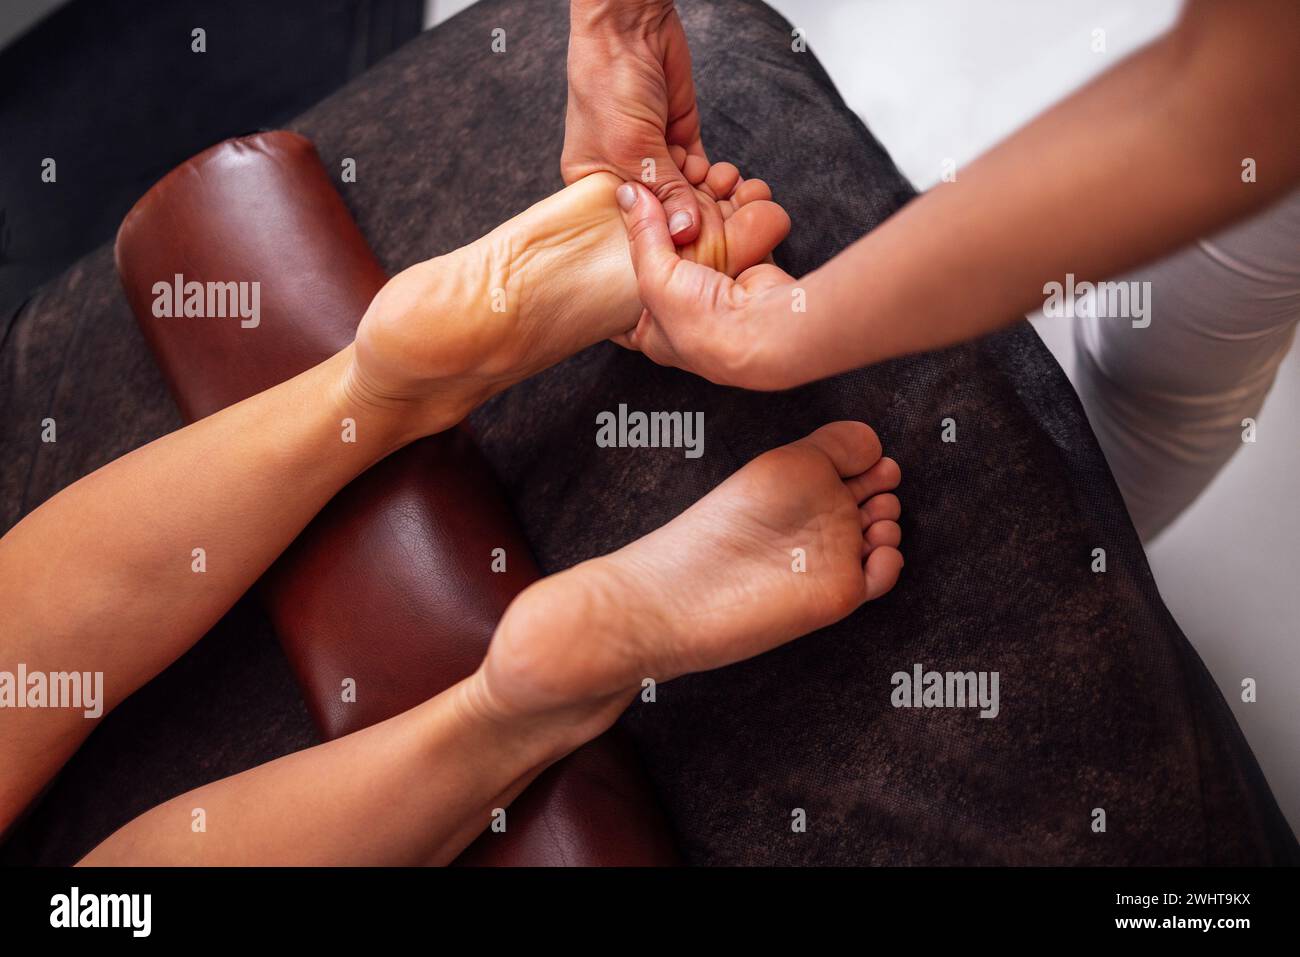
(794, 541)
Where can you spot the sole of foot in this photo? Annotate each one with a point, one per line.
(794, 541)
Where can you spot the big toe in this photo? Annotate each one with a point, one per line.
(752, 233)
(853, 447)
(883, 476)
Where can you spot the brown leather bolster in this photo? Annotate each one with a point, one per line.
(391, 585)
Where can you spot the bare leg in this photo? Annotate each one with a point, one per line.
(107, 576)
(714, 586)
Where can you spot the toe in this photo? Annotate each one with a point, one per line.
(678, 153)
(881, 508)
(883, 533)
(852, 447)
(727, 208)
(882, 568)
(883, 476)
(751, 191)
(722, 179)
(753, 232)
(695, 169)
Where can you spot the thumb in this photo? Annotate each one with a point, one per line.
(680, 203)
(654, 257)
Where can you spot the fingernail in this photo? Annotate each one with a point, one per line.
(681, 220)
(626, 196)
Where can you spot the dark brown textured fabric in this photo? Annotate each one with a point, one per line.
(1104, 704)
(390, 586)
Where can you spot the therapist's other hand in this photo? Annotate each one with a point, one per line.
(631, 97)
(733, 332)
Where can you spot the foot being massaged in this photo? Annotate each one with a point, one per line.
(308, 488)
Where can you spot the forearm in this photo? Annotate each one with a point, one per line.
(1144, 160)
(415, 789)
(108, 576)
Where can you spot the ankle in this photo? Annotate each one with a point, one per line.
(526, 739)
(381, 422)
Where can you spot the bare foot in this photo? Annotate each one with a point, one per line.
(794, 541)
(726, 244)
(557, 278)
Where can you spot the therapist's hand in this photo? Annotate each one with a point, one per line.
(739, 332)
(631, 97)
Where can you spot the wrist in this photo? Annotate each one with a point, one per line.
(761, 355)
(840, 329)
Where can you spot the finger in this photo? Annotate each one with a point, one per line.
(628, 339)
(696, 148)
(645, 343)
(764, 276)
(654, 256)
(679, 201)
(683, 126)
